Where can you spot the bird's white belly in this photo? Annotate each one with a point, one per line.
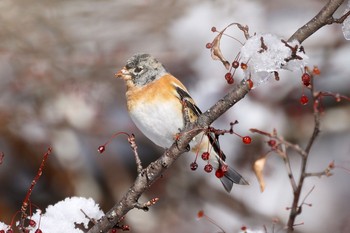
(159, 122)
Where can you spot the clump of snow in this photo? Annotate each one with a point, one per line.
(66, 214)
(266, 53)
(346, 23)
(3, 226)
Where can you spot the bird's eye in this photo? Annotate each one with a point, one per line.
(138, 69)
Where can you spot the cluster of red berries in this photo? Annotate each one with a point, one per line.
(306, 80)
(208, 167)
(235, 64)
(31, 223)
(220, 172)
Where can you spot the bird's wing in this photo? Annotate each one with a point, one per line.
(193, 114)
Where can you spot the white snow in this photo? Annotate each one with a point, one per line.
(64, 215)
(346, 24)
(266, 53)
(3, 226)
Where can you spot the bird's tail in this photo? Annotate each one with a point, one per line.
(230, 177)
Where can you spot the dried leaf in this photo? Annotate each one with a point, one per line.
(215, 50)
(258, 168)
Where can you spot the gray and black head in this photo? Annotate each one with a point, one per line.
(142, 69)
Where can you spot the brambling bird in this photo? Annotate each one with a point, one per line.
(155, 101)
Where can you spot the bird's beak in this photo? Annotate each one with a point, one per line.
(122, 73)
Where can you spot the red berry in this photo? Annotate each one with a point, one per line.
(244, 66)
(38, 231)
(205, 156)
(114, 230)
(2, 231)
(194, 166)
(125, 228)
(235, 64)
(213, 29)
(9, 231)
(272, 143)
(247, 140)
(306, 79)
(219, 173)
(208, 45)
(200, 214)
(243, 228)
(304, 100)
(228, 76)
(230, 81)
(250, 83)
(208, 168)
(101, 149)
(32, 223)
(316, 71)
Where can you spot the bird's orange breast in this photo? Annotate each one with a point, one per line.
(161, 90)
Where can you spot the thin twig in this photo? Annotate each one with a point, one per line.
(288, 167)
(295, 210)
(280, 140)
(26, 200)
(132, 142)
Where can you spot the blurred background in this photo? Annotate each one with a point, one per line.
(57, 88)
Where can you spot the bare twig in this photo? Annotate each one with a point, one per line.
(295, 210)
(145, 206)
(131, 140)
(280, 140)
(288, 167)
(26, 200)
(2, 155)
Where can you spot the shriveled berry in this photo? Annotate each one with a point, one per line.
(9, 230)
(208, 168)
(316, 71)
(235, 64)
(219, 173)
(101, 149)
(125, 228)
(250, 83)
(304, 100)
(306, 79)
(208, 45)
(205, 155)
(194, 166)
(244, 66)
(213, 29)
(247, 140)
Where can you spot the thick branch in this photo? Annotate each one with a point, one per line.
(324, 17)
(150, 174)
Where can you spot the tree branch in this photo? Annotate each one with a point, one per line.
(324, 17)
(147, 176)
(151, 173)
